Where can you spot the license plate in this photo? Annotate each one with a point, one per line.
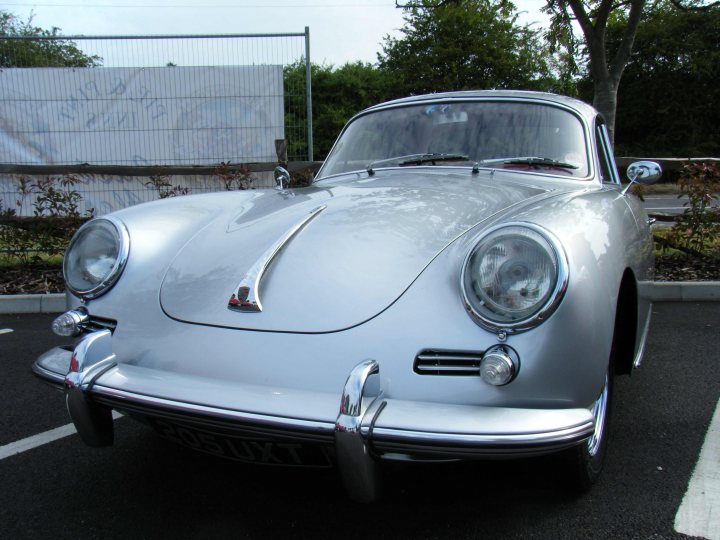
(244, 449)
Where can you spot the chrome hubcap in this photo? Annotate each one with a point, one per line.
(599, 410)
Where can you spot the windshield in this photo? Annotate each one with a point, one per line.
(512, 135)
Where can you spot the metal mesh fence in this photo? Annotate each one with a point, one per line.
(91, 124)
(154, 100)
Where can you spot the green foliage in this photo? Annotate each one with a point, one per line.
(665, 53)
(571, 26)
(296, 110)
(301, 178)
(337, 94)
(467, 44)
(589, 50)
(565, 44)
(667, 102)
(340, 93)
(699, 226)
(56, 197)
(55, 219)
(234, 177)
(162, 184)
(38, 52)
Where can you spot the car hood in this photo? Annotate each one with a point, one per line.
(368, 241)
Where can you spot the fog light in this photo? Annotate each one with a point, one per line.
(70, 324)
(499, 365)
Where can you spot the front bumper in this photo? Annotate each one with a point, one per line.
(366, 426)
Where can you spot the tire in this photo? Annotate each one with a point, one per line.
(585, 462)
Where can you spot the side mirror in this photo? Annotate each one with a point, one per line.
(282, 178)
(643, 172)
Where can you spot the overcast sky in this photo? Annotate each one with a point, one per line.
(340, 30)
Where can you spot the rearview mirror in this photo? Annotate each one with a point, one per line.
(644, 172)
(282, 178)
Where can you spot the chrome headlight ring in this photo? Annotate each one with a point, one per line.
(96, 257)
(493, 245)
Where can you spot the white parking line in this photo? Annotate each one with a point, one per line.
(6, 330)
(699, 513)
(23, 445)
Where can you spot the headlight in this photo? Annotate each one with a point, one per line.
(96, 257)
(514, 277)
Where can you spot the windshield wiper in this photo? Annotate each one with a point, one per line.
(536, 161)
(432, 158)
(417, 159)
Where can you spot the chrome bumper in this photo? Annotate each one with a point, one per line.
(368, 426)
(52, 366)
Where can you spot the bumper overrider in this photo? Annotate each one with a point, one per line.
(366, 427)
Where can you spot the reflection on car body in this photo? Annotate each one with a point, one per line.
(464, 279)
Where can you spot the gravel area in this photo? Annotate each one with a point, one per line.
(32, 279)
(687, 269)
(48, 279)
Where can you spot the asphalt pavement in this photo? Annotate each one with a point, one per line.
(145, 487)
(669, 204)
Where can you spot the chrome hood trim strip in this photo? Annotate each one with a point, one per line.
(246, 297)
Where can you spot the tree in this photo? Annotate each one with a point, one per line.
(606, 60)
(338, 94)
(605, 66)
(43, 52)
(667, 103)
(464, 44)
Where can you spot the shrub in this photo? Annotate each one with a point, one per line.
(301, 178)
(698, 227)
(234, 177)
(56, 217)
(164, 188)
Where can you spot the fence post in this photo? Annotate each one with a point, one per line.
(308, 90)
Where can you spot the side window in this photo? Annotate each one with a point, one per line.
(608, 170)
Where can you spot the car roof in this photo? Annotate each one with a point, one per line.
(525, 95)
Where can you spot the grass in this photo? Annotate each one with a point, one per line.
(662, 189)
(654, 189)
(38, 258)
(659, 189)
(712, 248)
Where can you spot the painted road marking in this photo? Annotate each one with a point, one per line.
(699, 513)
(6, 330)
(40, 439)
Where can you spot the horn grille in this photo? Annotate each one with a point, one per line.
(442, 362)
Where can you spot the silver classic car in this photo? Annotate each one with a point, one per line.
(464, 279)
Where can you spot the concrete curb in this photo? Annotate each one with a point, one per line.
(32, 303)
(661, 291)
(685, 291)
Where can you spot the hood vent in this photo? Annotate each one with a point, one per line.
(440, 362)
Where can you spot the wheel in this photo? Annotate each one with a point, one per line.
(586, 460)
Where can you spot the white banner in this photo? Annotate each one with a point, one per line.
(141, 116)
